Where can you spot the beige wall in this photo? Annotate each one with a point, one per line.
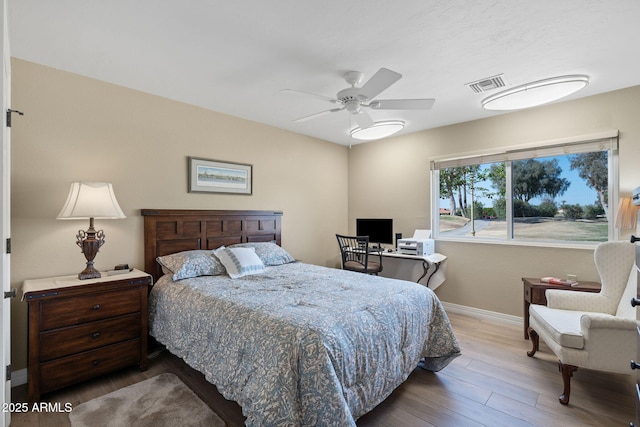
(390, 178)
(76, 128)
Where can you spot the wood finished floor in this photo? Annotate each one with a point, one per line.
(492, 384)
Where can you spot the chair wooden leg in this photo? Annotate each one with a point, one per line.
(535, 341)
(567, 373)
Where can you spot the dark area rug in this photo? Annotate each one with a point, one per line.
(160, 401)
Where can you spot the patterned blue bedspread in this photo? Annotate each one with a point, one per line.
(302, 345)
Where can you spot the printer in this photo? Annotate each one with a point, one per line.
(420, 244)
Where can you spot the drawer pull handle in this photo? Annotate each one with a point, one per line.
(634, 365)
(95, 335)
(635, 302)
(96, 307)
(95, 362)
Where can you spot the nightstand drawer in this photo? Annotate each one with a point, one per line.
(63, 342)
(70, 370)
(59, 313)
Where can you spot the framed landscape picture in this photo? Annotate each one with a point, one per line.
(215, 176)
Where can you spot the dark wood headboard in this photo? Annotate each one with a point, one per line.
(168, 231)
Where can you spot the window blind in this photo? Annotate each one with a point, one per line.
(583, 144)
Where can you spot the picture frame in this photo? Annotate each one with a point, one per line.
(217, 176)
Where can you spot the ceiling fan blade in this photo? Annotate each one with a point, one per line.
(307, 94)
(314, 115)
(363, 119)
(402, 104)
(380, 81)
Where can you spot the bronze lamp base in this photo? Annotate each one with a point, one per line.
(90, 243)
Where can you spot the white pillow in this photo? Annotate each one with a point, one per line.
(240, 262)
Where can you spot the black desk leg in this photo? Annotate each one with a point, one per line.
(425, 268)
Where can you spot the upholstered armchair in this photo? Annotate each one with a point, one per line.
(591, 330)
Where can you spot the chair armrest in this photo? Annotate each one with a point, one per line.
(580, 301)
(375, 251)
(609, 342)
(593, 321)
(379, 253)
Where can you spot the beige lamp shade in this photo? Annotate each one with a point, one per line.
(91, 200)
(627, 216)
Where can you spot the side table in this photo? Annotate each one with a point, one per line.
(534, 293)
(79, 329)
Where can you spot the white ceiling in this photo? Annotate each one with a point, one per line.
(236, 56)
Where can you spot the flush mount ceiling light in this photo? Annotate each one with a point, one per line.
(378, 130)
(535, 93)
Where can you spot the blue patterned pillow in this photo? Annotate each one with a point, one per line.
(269, 252)
(240, 262)
(188, 264)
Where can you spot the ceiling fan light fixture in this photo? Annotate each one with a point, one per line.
(535, 93)
(378, 130)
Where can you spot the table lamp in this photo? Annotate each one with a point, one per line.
(90, 200)
(627, 216)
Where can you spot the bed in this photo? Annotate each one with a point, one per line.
(294, 344)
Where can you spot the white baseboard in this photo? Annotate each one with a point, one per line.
(18, 377)
(479, 313)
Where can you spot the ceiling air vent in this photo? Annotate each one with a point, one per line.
(487, 84)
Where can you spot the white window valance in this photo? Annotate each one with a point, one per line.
(603, 141)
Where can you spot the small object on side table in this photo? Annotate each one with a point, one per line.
(556, 281)
(534, 293)
(119, 271)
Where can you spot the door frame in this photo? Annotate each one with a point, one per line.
(5, 214)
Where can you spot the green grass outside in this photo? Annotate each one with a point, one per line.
(536, 229)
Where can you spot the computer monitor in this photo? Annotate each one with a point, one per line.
(378, 230)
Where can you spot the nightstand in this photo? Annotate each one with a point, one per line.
(80, 329)
(534, 293)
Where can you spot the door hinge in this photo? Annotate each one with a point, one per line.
(11, 294)
(8, 246)
(9, 111)
(8, 373)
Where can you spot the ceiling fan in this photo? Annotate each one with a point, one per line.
(356, 99)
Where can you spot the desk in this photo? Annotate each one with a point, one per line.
(428, 270)
(535, 293)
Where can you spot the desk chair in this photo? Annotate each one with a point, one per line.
(354, 251)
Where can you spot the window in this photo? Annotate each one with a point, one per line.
(558, 191)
